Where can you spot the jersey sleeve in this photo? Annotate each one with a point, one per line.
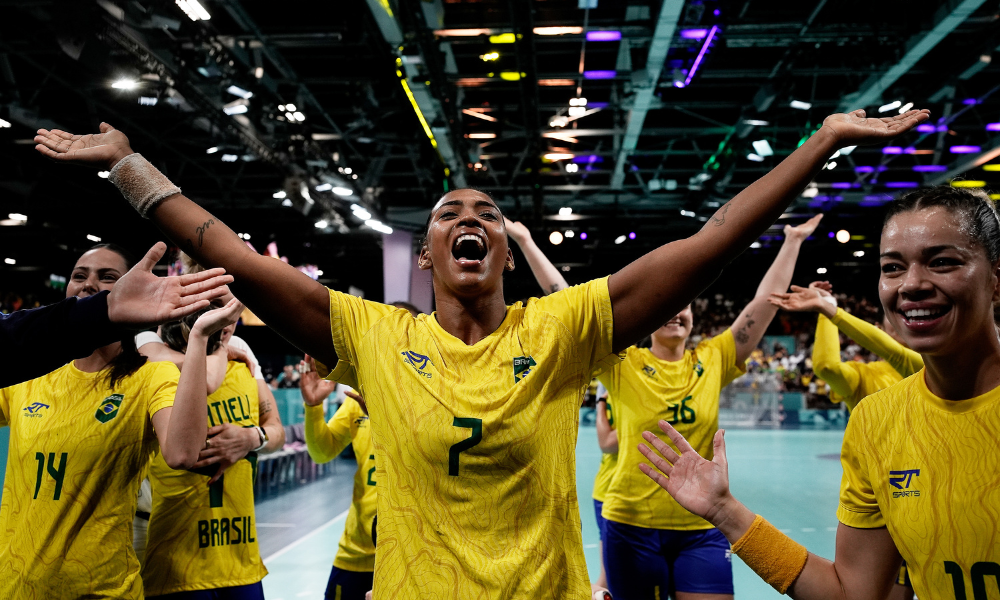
(350, 319)
(725, 345)
(162, 386)
(905, 361)
(5, 395)
(858, 506)
(326, 440)
(585, 310)
(843, 380)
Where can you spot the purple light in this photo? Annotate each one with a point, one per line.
(694, 34)
(901, 184)
(631, 235)
(875, 200)
(928, 128)
(716, 12)
(599, 74)
(964, 149)
(864, 169)
(588, 158)
(701, 55)
(841, 185)
(583, 235)
(831, 234)
(993, 127)
(892, 150)
(930, 168)
(970, 101)
(604, 36)
(678, 84)
(597, 105)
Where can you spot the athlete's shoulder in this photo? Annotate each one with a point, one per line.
(158, 371)
(576, 297)
(880, 408)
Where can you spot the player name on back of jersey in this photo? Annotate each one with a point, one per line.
(233, 410)
(225, 531)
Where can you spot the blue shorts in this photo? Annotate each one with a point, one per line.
(349, 585)
(253, 591)
(598, 507)
(643, 563)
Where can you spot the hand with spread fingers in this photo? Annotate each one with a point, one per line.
(810, 299)
(141, 299)
(701, 486)
(314, 388)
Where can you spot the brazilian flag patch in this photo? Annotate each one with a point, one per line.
(522, 367)
(109, 408)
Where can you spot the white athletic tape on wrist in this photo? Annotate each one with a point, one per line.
(141, 183)
(829, 300)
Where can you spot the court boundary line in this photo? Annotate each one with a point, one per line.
(280, 552)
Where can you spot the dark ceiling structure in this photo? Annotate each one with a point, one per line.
(625, 123)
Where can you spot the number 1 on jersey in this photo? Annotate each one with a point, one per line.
(477, 436)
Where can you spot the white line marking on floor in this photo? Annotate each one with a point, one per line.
(275, 524)
(590, 546)
(305, 537)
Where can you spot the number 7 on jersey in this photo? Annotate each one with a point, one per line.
(477, 436)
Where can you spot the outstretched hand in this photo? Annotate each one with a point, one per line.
(854, 129)
(701, 486)
(102, 150)
(801, 232)
(517, 230)
(140, 299)
(214, 320)
(802, 299)
(314, 388)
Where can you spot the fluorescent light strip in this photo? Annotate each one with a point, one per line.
(701, 55)
(420, 115)
(472, 112)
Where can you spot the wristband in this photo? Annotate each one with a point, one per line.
(141, 183)
(777, 558)
(829, 300)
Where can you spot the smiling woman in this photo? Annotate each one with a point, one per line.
(474, 408)
(919, 457)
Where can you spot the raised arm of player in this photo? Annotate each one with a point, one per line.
(866, 560)
(290, 302)
(641, 303)
(546, 273)
(750, 326)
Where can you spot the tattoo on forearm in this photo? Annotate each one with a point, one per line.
(265, 407)
(720, 217)
(742, 336)
(202, 229)
(553, 288)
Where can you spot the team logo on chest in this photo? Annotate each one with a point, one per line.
(109, 408)
(522, 367)
(901, 480)
(419, 362)
(699, 368)
(649, 371)
(34, 410)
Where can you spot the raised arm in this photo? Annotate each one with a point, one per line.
(183, 428)
(546, 274)
(906, 362)
(321, 442)
(751, 324)
(866, 560)
(290, 302)
(642, 302)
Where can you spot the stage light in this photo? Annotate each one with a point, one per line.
(687, 213)
(755, 245)
(258, 72)
(583, 235)
(604, 36)
(194, 10)
(821, 270)
(554, 156)
(755, 157)
(600, 74)
(238, 91)
(212, 150)
(321, 224)
(503, 38)
(565, 211)
(830, 165)
(286, 202)
(572, 168)
(891, 106)
(763, 148)
(462, 32)
(481, 136)
(489, 56)
(343, 191)
(964, 149)
(18, 217)
(578, 102)
(324, 187)
(756, 122)
(968, 183)
(859, 253)
(694, 34)
(620, 239)
(4, 124)
(569, 233)
(229, 158)
(905, 107)
(477, 114)
(930, 168)
(290, 107)
(361, 213)
(93, 238)
(558, 121)
(125, 84)
(577, 111)
(104, 174)
(843, 236)
(701, 55)
(378, 226)
(557, 30)
(148, 100)
(892, 150)
(511, 75)
(555, 238)
(994, 167)
(798, 104)
(631, 235)
(236, 107)
(847, 150)
(279, 194)
(299, 116)
(901, 184)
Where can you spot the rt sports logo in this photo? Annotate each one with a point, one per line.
(901, 480)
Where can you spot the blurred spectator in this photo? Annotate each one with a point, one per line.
(288, 378)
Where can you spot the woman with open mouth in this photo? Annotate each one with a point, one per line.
(474, 408)
(921, 472)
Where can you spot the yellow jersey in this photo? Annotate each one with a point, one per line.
(475, 444)
(349, 425)
(684, 393)
(852, 381)
(76, 457)
(203, 537)
(928, 469)
(608, 463)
